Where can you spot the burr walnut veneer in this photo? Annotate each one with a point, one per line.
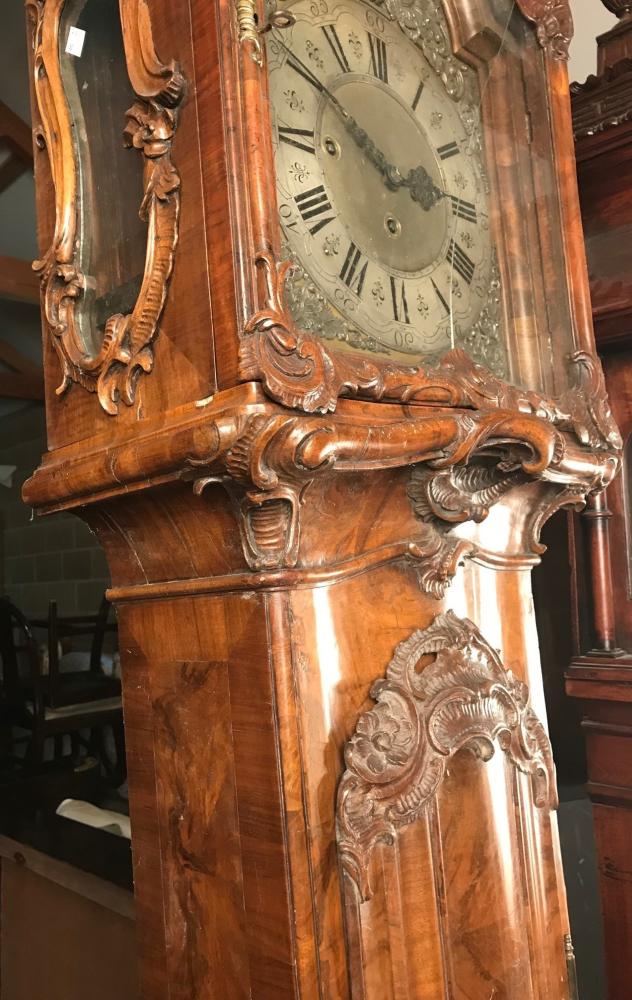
(341, 785)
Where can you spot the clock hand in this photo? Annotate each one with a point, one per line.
(418, 180)
(422, 188)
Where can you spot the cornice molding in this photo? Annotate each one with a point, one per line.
(602, 102)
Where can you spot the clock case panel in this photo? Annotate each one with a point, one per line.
(525, 118)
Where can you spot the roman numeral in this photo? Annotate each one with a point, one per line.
(353, 271)
(302, 138)
(463, 209)
(400, 305)
(460, 261)
(441, 297)
(334, 44)
(417, 97)
(312, 204)
(450, 149)
(378, 58)
(305, 72)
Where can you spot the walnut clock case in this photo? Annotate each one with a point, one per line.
(319, 365)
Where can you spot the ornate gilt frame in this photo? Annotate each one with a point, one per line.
(301, 371)
(127, 348)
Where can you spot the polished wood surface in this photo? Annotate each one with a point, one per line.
(600, 675)
(340, 783)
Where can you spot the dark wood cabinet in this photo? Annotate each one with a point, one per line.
(600, 675)
(318, 437)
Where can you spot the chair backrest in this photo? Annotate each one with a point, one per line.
(70, 626)
(20, 670)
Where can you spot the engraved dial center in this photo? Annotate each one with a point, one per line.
(355, 182)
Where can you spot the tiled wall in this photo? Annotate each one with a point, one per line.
(43, 559)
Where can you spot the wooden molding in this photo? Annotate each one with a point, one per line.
(126, 350)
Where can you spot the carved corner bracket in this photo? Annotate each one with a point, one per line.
(554, 24)
(127, 346)
(268, 460)
(397, 756)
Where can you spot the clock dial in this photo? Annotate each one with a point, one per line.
(380, 184)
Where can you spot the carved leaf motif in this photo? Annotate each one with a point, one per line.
(397, 756)
(554, 24)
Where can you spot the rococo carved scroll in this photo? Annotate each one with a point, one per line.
(397, 756)
(554, 24)
(127, 347)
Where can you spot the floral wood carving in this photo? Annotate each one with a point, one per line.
(398, 754)
(127, 347)
(554, 24)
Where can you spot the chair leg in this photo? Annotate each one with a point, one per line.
(118, 732)
(111, 753)
(35, 752)
(75, 746)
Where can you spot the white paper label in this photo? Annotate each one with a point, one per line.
(74, 42)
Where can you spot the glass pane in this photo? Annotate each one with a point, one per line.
(112, 239)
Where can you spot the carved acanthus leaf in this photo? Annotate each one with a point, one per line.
(397, 756)
(463, 493)
(587, 407)
(554, 24)
(437, 557)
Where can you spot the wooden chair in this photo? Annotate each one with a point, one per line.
(73, 687)
(57, 704)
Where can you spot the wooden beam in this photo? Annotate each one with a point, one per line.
(10, 356)
(17, 134)
(10, 170)
(21, 386)
(18, 280)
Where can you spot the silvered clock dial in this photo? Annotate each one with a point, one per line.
(381, 184)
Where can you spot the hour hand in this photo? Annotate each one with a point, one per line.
(422, 188)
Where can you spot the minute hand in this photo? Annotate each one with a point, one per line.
(418, 181)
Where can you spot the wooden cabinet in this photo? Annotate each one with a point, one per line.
(600, 675)
(317, 433)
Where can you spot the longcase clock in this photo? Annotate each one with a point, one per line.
(319, 365)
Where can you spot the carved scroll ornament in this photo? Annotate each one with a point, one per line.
(300, 371)
(554, 24)
(127, 346)
(399, 751)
